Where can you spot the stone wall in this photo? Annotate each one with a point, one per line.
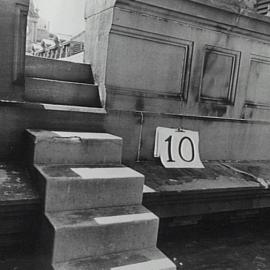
(12, 43)
(190, 57)
(242, 4)
(199, 64)
(190, 63)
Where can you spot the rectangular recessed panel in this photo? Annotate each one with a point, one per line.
(219, 74)
(258, 82)
(216, 75)
(155, 65)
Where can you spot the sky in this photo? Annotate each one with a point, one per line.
(65, 16)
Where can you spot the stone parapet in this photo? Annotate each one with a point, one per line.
(13, 14)
(192, 57)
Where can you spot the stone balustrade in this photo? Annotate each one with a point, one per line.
(62, 50)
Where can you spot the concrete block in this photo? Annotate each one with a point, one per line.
(53, 147)
(76, 187)
(147, 259)
(97, 232)
(61, 92)
(58, 70)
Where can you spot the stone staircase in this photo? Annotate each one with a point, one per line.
(94, 219)
(52, 81)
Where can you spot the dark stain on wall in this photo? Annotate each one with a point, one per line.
(139, 106)
(213, 109)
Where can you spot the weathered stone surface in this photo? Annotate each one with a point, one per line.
(10, 52)
(58, 70)
(216, 176)
(76, 187)
(234, 4)
(96, 232)
(211, 47)
(219, 140)
(146, 259)
(19, 210)
(61, 92)
(15, 185)
(53, 147)
(220, 187)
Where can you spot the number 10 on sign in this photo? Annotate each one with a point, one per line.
(178, 149)
(185, 149)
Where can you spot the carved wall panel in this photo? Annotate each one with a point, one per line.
(219, 75)
(258, 91)
(149, 63)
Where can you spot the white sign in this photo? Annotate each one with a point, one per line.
(177, 148)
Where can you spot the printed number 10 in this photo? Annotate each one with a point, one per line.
(180, 150)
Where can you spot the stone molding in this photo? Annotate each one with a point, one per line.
(19, 41)
(232, 74)
(172, 27)
(221, 17)
(186, 45)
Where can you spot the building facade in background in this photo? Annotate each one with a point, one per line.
(32, 26)
(41, 41)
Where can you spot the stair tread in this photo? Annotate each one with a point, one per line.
(61, 92)
(58, 70)
(47, 135)
(100, 216)
(56, 61)
(29, 79)
(100, 231)
(80, 172)
(73, 187)
(146, 259)
(84, 148)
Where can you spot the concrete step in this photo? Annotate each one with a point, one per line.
(55, 147)
(61, 92)
(67, 187)
(101, 231)
(147, 259)
(57, 70)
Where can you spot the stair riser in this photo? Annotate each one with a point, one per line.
(83, 194)
(97, 266)
(146, 259)
(61, 151)
(81, 242)
(57, 70)
(54, 92)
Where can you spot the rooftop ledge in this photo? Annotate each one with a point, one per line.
(51, 107)
(220, 187)
(223, 186)
(225, 15)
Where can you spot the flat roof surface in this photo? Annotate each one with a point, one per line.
(217, 175)
(15, 185)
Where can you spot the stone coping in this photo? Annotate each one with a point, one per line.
(15, 185)
(217, 176)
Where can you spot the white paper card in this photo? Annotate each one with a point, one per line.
(177, 149)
